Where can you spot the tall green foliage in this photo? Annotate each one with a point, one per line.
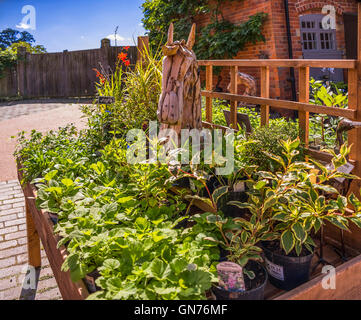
(220, 39)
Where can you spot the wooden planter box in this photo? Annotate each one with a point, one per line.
(40, 227)
(348, 274)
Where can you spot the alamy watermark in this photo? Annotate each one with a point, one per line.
(29, 20)
(168, 147)
(329, 280)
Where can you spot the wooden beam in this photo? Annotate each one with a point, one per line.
(209, 87)
(355, 103)
(210, 125)
(304, 116)
(34, 252)
(295, 63)
(347, 287)
(284, 104)
(234, 104)
(265, 86)
(352, 105)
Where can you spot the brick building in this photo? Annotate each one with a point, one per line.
(309, 40)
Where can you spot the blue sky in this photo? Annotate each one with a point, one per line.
(76, 24)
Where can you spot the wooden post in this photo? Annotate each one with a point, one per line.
(265, 80)
(234, 104)
(352, 104)
(143, 49)
(355, 104)
(304, 117)
(209, 87)
(34, 253)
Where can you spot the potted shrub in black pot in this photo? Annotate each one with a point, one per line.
(297, 202)
(241, 274)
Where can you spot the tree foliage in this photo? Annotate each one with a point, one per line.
(10, 41)
(10, 36)
(219, 39)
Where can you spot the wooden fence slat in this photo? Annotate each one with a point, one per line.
(304, 116)
(265, 86)
(209, 87)
(234, 104)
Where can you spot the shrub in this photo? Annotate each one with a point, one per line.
(268, 140)
(136, 90)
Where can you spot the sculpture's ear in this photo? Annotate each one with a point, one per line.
(170, 34)
(192, 37)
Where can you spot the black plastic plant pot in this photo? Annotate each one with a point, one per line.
(254, 288)
(286, 272)
(230, 210)
(54, 218)
(182, 183)
(89, 281)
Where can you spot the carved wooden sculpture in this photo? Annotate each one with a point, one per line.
(180, 102)
(248, 81)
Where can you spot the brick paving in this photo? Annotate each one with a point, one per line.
(14, 271)
(11, 110)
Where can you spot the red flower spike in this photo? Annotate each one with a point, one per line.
(122, 56)
(127, 63)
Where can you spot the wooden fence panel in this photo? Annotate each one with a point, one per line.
(8, 84)
(61, 74)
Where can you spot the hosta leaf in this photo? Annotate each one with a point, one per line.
(327, 189)
(342, 202)
(299, 232)
(205, 200)
(338, 222)
(298, 248)
(287, 241)
(355, 201)
(250, 274)
(51, 175)
(281, 216)
(218, 193)
(67, 182)
(125, 199)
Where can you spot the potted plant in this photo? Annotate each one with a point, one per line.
(297, 203)
(239, 240)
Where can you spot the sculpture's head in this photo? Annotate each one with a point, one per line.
(180, 78)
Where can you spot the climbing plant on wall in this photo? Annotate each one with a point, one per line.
(218, 40)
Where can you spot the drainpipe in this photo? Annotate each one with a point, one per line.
(290, 51)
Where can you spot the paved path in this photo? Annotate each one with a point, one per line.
(14, 271)
(15, 283)
(45, 118)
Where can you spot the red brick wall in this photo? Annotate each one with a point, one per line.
(238, 12)
(276, 46)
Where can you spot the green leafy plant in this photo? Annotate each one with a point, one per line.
(298, 199)
(323, 127)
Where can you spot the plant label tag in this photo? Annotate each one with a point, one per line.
(192, 185)
(347, 169)
(275, 270)
(231, 277)
(239, 187)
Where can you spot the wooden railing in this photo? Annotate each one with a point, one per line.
(302, 106)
